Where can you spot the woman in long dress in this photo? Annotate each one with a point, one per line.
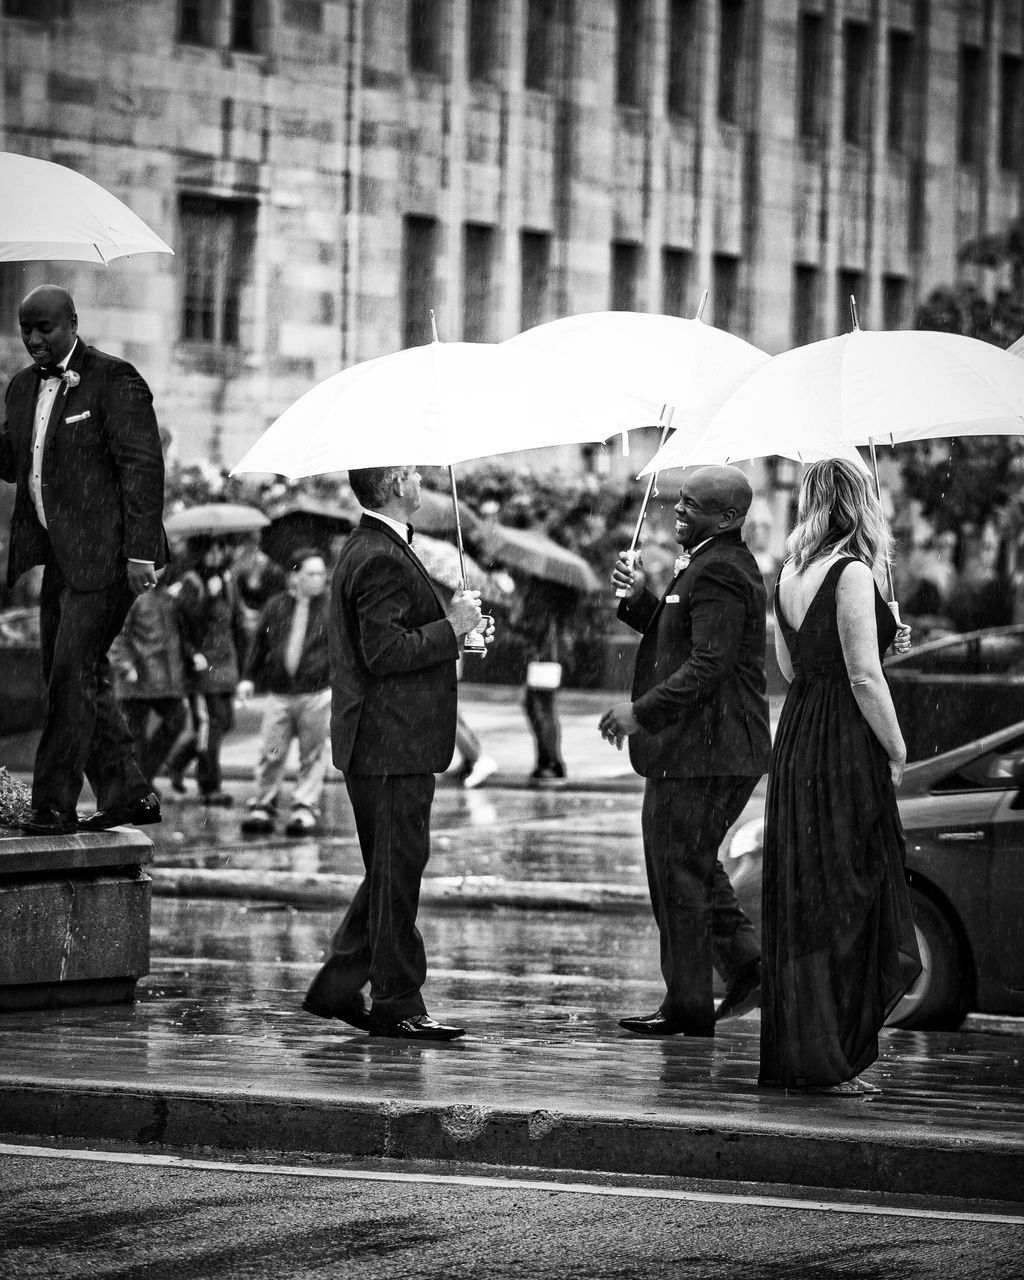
(839, 947)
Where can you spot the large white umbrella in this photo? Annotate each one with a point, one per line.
(436, 405)
(680, 371)
(51, 212)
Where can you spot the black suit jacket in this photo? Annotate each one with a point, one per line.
(699, 684)
(393, 654)
(102, 474)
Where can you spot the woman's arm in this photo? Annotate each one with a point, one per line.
(858, 635)
(782, 652)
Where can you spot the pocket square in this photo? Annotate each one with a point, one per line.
(79, 417)
(671, 599)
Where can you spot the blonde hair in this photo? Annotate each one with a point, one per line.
(839, 513)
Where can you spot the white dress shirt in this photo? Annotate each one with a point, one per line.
(49, 389)
(399, 526)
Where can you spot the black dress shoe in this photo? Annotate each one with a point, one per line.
(656, 1024)
(49, 822)
(354, 1012)
(420, 1027)
(137, 813)
(742, 993)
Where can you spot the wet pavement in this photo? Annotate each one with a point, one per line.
(217, 1053)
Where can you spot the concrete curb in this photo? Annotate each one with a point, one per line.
(459, 892)
(930, 1161)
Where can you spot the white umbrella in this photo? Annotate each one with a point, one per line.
(660, 360)
(436, 405)
(680, 371)
(52, 212)
(1018, 348)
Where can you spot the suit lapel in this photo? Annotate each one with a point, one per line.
(60, 400)
(411, 556)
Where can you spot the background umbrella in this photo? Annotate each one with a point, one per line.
(441, 561)
(436, 514)
(215, 517)
(51, 211)
(538, 556)
(303, 521)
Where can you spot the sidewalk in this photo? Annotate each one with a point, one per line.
(216, 1053)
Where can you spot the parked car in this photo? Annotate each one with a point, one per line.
(963, 813)
(960, 687)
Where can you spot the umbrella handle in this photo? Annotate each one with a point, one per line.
(666, 418)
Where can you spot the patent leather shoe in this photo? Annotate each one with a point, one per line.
(419, 1027)
(49, 822)
(136, 813)
(657, 1024)
(354, 1012)
(742, 993)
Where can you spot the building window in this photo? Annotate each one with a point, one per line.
(1011, 110)
(629, 53)
(197, 22)
(477, 281)
(895, 297)
(307, 15)
(856, 83)
(243, 25)
(901, 91)
(419, 251)
(682, 57)
(971, 104)
(676, 270)
(482, 38)
(805, 304)
(730, 59)
(725, 290)
(625, 275)
(217, 243)
(425, 35)
(850, 284)
(541, 42)
(534, 268)
(811, 76)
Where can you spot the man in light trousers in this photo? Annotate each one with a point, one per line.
(288, 661)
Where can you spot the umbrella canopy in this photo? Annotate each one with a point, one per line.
(441, 560)
(54, 212)
(1018, 348)
(300, 520)
(436, 405)
(436, 514)
(215, 517)
(658, 359)
(538, 556)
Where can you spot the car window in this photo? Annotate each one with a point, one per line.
(998, 770)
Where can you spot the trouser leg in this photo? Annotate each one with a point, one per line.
(542, 713)
(378, 941)
(276, 738)
(684, 821)
(84, 733)
(220, 707)
(313, 726)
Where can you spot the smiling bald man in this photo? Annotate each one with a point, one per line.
(697, 726)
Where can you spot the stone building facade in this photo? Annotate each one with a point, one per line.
(330, 170)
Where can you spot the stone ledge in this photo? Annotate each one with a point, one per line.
(41, 855)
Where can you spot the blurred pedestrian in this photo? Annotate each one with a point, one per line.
(289, 662)
(256, 577)
(80, 441)
(394, 646)
(542, 614)
(698, 733)
(149, 666)
(839, 942)
(213, 625)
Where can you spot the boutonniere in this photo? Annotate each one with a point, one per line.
(681, 562)
(70, 379)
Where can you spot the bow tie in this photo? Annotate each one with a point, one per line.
(45, 371)
(681, 562)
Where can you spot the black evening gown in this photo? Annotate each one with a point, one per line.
(838, 942)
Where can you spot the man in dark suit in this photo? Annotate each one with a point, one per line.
(394, 645)
(81, 443)
(698, 732)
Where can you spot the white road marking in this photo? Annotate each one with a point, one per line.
(503, 1184)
